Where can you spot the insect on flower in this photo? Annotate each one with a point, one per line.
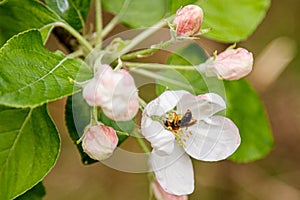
(178, 125)
(175, 121)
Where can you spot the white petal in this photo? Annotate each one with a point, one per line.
(165, 102)
(160, 138)
(174, 172)
(154, 131)
(201, 106)
(213, 139)
(163, 144)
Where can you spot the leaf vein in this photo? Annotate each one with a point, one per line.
(16, 140)
(44, 76)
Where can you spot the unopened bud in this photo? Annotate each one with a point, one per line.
(232, 64)
(124, 104)
(114, 91)
(188, 20)
(99, 142)
(161, 194)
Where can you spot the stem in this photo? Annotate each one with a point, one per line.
(110, 26)
(73, 32)
(141, 142)
(139, 38)
(99, 24)
(162, 78)
(143, 103)
(157, 66)
(119, 66)
(93, 116)
(152, 49)
(115, 20)
(82, 21)
(147, 151)
(95, 112)
(75, 54)
(151, 195)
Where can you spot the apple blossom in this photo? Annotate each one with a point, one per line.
(161, 194)
(99, 141)
(231, 64)
(178, 125)
(114, 91)
(188, 20)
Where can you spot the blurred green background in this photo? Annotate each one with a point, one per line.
(275, 43)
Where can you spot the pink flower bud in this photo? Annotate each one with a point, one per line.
(231, 64)
(99, 142)
(114, 91)
(161, 194)
(188, 20)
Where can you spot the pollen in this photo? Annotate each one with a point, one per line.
(179, 125)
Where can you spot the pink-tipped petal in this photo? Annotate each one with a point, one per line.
(188, 20)
(89, 92)
(114, 91)
(231, 64)
(161, 194)
(99, 142)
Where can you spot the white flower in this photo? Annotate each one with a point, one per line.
(231, 64)
(178, 125)
(114, 91)
(99, 142)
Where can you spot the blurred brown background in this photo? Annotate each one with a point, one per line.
(275, 177)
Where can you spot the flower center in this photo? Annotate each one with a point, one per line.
(175, 122)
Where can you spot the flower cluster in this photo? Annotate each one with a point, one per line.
(178, 124)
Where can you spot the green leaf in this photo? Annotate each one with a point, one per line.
(243, 104)
(193, 54)
(18, 16)
(174, 5)
(31, 75)
(35, 193)
(29, 147)
(186, 79)
(139, 13)
(244, 107)
(232, 20)
(229, 20)
(78, 118)
(45, 33)
(72, 11)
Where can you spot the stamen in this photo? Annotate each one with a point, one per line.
(179, 124)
